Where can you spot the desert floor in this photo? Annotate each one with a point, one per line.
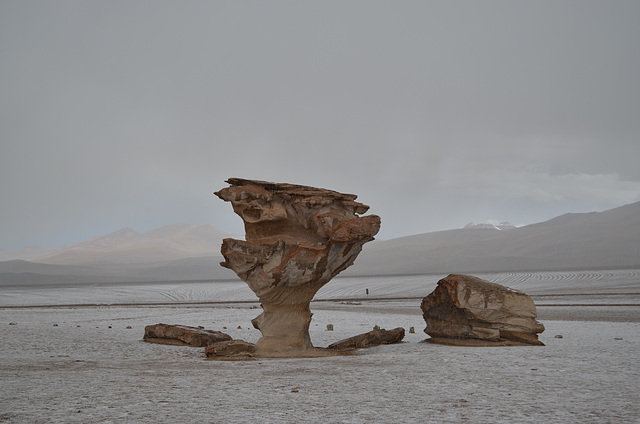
(83, 363)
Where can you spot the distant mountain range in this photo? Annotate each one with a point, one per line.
(127, 246)
(172, 252)
(595, 240)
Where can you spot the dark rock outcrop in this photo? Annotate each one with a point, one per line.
(232, 349)
(297, 239)
(466, 310)
(182, 335)
(372, 338)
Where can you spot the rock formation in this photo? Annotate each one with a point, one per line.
(466, 310)
(297, 239)
(232, 349)
(370, 339)
(182, 335)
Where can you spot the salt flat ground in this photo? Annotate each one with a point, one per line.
(83, 363)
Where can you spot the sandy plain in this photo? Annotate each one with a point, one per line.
(82, 363)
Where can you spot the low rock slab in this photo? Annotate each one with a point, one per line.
(182, 335)
(468, 311)
(372, 338)
(231, 349)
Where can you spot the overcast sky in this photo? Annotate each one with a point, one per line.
(132, 113)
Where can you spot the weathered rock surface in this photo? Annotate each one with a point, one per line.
(372, 338)
(469, 311)
(235, 349)
(297, 239)
(182, 335)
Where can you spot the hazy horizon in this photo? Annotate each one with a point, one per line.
(241, 232)
(131, 114)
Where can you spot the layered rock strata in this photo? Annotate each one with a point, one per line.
(296, 239)
(466, 310)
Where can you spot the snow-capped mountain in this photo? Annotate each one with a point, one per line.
(489, 226)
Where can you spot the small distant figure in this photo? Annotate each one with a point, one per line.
(412, 330)
(376, 327)
(367, 292)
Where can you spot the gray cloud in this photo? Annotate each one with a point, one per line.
(120, 113)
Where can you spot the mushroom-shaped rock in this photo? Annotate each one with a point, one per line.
(296, 239)
(466, 310)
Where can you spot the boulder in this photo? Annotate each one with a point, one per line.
(236, 349)
(467, 310)
(372, 338)
(182, 335)
(297, 238)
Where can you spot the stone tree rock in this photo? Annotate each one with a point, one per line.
(297, 239)
(467, 310)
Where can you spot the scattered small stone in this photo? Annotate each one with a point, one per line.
(13, 323)
(329, 327)
(617, 338)
(295, 390)
(109, 326)
(558, 336)
(412, 330)
(129, 327)
(239, 327)
(55, 325)
(78, 326)
(224, 328)
(200, 327)
(534, 369)
(376, 327)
